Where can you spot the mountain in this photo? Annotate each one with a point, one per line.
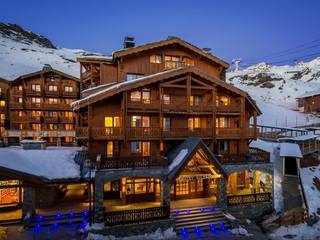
(279, 85)
(22, 52)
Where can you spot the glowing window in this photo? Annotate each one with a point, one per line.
(2, 103)
(156, 59)
(109, 149)
(135, 96)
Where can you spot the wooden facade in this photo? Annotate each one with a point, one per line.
(309, 103)
(38, 106)
(4, 94)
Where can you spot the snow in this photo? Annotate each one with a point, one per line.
(229, 216)
(157, 235)
(312, 194)
(240, 231)
(286, 90)
(290, 150)
(17, 58)
(310, 94)
(177, 160)
(52, 163)
(305, 137)
(297, 232)
(273, 148)
(32, 141)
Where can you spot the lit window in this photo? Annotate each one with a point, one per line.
(36, 87)
(2, 118)
(136, 147)
(135, 96)
(140, 121)
(53, 126)
(68, 139)
(140, 148)
(166, 123)
(223, 101)
(53, 88)
(34, 100)
(68, 126)
(20, 114)
(53, 100)
(20, 126)
(36, 113)
(156, 59)
(146, 95)
(68, 114)
(68, 89)
(195, 100)
(68, 100)
(112, 122)
(20, 88)
(222, 122)
(166, 98)
(53, 114)
(20, 100)
(194, 123)
(131, 76)
(2, 103)
(109, 151)
(36, 127)
(188, 61)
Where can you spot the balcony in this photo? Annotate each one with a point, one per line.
(186, 132)
(52, 93)
(40, 133)
(132, 162)
(175, 106)
(82, 132)
(254, 156)
(67, 119)
(228, 109)
(69, 94)
(48, 119)
(153, 105)
(16, 105)
(30, 105)
(202, 107)
(34, 119)
(228, 132)
(249, 199)
(107, 133)
(143, 132)
(174, 64)
(30, 92)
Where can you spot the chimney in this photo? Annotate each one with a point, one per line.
(128, 42)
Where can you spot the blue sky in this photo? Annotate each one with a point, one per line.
(238, 28)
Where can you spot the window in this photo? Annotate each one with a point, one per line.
(68, 139)
(2, 118)
(109, 150)
(20, 126)
(133, 76)
(68, 114)
(140, 148)
(166, 123)
(20, 114)
(68, 126)
(68, 100)
(224, 145)
(53, 114)
(36, 127)
(223, 101)
(36, 87)
(139, 185)
(166, 98)
(53, 88)
(194, 123)
(188, 61)
(2, 103)
(195, 100)
(53, 100)
(146, 95)
(222, 122)
(68, 89)
(112, 122)
(140, 121)
(53, 126)
(135, 96)
(19, 99)
(20, 88)
(36, 113)
(156, 59)
(35, 100)
(172, 62)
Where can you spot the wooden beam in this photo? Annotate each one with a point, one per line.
(188, 91)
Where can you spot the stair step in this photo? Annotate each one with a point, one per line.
(202, 226)
(208, 221)
(194, 208)
(58, 221)
(182, 215)
(218, 218)
(10, 222)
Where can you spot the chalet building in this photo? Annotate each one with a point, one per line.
(309, 102)
(37, 106)
(4, 93)
(163, 126)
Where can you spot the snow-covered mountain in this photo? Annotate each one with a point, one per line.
(279, 85)
(22, 52)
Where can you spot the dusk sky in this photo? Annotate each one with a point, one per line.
(247, 29)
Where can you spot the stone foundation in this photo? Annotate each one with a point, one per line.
(135, 229)
(250, 211)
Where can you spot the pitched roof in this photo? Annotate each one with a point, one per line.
(111, 90)
(47, 69)
(180, 155)
(309, 94)
(166, 42)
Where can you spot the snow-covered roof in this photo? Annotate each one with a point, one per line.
(290, 150)
(32, 141)
(305, 137)
(309, 94)
(94, 58)
(178, 159)
(263, 145)
(52, 163)
(311, 192)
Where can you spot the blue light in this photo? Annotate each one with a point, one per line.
(197, 231)
(85, 213)
(188, 211)
(222, 227)
(213, 229)
(40, 218)
(71, 214)
(55, 226)
(177, 212)
(37, 228)
(212, 209)
(58, 216)
(184, 232)
(202, 209)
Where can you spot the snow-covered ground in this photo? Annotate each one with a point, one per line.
(52, 163)
(279, 85)
(312, 193)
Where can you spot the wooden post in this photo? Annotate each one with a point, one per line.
(188, 91)
(161, 114)
(255, 123)
(125, 115)
(214, 115)
(242, 122)
(89, 126)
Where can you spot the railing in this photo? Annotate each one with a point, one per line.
(186, 132)
(40, 133)
(67, 119)
(16, 105)
(175, 106)
(16, 92)
(309, 148)
(136, 215)
(174, 64)
(143, 132)
(132, 162)
(34, 105)
(50, 119)
(107, 132)
(249, 199)
(69, 94)
(228, 132)
(34, 118)
(254, 156)
(153, 105)
(30, 92)
(202, 107)
(52, 93)
(228, 108)
(82, 132)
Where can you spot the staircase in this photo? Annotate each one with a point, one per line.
(195, 219)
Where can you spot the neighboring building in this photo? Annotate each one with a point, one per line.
(39, 107)
(309, 102)
(162, 125)
(4, 93)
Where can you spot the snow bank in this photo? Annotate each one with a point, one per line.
(157, 235)
(297, 232)
(312, 194)
(52, 163)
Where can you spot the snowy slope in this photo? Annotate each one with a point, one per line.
(279, 85)
(21, 52)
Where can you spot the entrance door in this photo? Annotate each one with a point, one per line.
(290, 166)
(187, 189)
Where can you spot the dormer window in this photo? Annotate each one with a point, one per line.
(156, 59)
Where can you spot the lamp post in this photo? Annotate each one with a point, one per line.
(89, 166)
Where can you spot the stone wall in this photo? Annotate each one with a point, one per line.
(250, 211)
(46, 196)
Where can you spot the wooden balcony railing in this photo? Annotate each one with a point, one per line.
(52, 93)
(202, 107)
(30, 92)
(228, 132)
(132, 162)
(309, 148)
(153, 105)
(228, 109)
(143, 132)
(40, 133)
(16, 92)
(82, 132)
(107, 133)
(48, 119)
(16, 105)
(136, 215)
(249, 199)
(69, 94)
(254, 156)
(33, 105)
(36, 119)
(186, 132)
(67, 119)
(174, 64)
(175, 106)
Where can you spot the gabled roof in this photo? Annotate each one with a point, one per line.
(309, 94)
(47, 69)
(180, 155)
(170, 41)
(109, 91)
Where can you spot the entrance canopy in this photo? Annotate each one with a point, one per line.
(192, 154)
